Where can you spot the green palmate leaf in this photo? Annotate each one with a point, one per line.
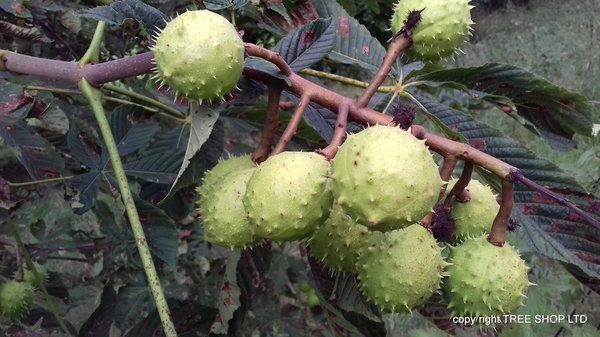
(427, 332)
(585, 331)
(550, 229)
(354, 314)
(229, 296)
(35, 153)
(160, 168)
(207, 157)
(414, 325)
(99, 323)
(215, 5)
(121, 10)
(308, 44)
(321, 119)
(349, 297)
(133, 302)
(200, 123)
(556, 292)
(349, 6)
(130, 138)
(354, 44)
(16, 8)
(26, 33)
(161, 232)
(147, 327)
(556, 112)
(373, 6)
(264, 66)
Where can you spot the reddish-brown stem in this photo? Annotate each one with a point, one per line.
(286, 105)
(498, 233)
(518, 176)
(292, 127)
(73, 72)
(446, 147)
(139, 64)
(270, 56)
(446, 170)
(426, 221)
(270, 127)
(339, 134)
(395, 47)
(460, 188)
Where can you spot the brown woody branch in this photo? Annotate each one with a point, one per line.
(448, 165)
(73, 72)
(292, 126)
(518, 176)
(395, 47)
(498, 233)
(270, 128)
(270, 56)
(338, 136)
(140, 64)
(460, 188)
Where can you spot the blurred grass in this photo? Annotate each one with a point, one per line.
(559, 40)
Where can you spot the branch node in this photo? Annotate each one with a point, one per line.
(396, 46)
(270, 127)
(339, 134)
(292, 127)
(460, 190)
(497, 235)
(404, 116)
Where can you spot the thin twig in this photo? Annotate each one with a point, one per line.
(460, 188)
(446, 170)
(518, 176)
(271, 56)
(67, 258)
(339, 134)
(169, 111)
(270, 127)
(448, 165)
(37, 182)
(292, 127)
(394, 50)
(166, 110)
(497, 235)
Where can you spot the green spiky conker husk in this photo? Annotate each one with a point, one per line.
(30, 277)
(401, 269)
(288, 197)
(444, 26)
(223, 213)
(16, 299)
(199, 55)
(476, 216)
(385, 177)
(217, 174)
(485, 279)
(339, 240)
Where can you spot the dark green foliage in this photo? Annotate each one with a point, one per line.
(76, 226)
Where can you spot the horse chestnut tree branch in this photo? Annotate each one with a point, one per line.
(365, 204)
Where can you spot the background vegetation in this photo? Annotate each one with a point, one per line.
(96, 282)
